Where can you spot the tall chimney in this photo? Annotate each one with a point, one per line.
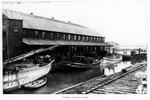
(52, 18)
(31, 13)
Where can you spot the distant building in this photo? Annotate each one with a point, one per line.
(114, 47)
(25, 32)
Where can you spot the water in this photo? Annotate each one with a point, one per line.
(60, 80)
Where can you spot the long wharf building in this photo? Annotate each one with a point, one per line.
(25, 32)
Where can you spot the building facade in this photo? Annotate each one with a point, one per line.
(24, 32)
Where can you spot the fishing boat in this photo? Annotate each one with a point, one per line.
(112, 59)
(107, 61)
(17, 75)
(80, 62)
(36, 84)
(24, 76)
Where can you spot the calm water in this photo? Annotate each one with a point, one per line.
(60, 80)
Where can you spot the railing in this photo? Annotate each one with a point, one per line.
(28, 54)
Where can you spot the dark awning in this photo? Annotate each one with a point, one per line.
(61, 42)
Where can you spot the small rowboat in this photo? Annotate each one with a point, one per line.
(36, 84)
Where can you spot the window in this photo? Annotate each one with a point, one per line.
(71, 36)
(68, 36)
(94, 38)
(79, 37)
(91, 39)
(102, 40)
(99, 39)
(60, 36)
(83, 38)
(75, 37)
(36, 33)
(52, 36)
(64, 35)
(57, 37)
(43, 34)
(86, 38)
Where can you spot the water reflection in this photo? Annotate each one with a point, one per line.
(60, 80)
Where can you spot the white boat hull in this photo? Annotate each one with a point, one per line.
(107, 61)
(11, 82)
(36, 84)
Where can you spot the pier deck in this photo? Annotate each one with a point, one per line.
(118, 83)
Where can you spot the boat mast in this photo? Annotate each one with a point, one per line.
(7, 44)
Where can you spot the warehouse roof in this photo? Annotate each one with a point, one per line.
(49, 24)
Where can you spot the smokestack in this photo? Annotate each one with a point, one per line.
(31, 13)
(52, 18)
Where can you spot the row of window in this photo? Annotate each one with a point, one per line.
(65, 36)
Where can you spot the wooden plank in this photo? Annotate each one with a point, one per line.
(114, 77)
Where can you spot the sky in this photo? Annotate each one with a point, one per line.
(123, 22)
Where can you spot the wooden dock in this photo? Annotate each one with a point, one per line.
(124, 85)
(118, 83)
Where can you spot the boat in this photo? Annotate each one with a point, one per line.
(17, 75)
(80, 62)
(108, 61)
(36, 84)
(10, 60)
(112, 59)
(25, 75)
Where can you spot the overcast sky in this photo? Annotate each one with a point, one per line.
(124, 22)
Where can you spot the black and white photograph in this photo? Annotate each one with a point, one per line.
(88, 47)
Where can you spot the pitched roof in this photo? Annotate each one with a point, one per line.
(47, 24)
